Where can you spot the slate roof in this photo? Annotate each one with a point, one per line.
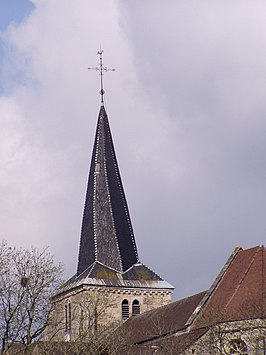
(99, 275)
(106, 233)
(108, 253)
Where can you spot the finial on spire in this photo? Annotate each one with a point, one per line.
(101, 69)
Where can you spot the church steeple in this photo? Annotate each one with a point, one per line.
(107, 250)
(111, 284)
(106, 235)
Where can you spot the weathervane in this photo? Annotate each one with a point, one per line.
(101, 69)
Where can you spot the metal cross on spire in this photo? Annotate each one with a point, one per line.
(101, 69)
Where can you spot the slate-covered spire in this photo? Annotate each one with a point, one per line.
(106, 234)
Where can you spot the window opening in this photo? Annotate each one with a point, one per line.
(135, 308)
(125, 309)
(67, 317)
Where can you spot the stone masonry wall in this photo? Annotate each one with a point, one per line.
(91, 309)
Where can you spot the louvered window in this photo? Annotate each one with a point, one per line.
(67, 317)
(135, 308)
(125, 309)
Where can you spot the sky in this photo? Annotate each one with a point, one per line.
(187, 109)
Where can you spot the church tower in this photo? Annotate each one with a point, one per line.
(111, 283)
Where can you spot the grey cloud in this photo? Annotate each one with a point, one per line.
(204, 64)
(187, 111)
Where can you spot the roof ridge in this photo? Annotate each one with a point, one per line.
(141, 264)
(108, 267)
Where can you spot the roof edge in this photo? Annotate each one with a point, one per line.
(213, 287)
(89, 281)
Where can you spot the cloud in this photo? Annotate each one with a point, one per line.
(187, 111)
(203, 65)
(54, 102)
(27, 179)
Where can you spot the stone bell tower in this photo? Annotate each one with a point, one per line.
(111, 283)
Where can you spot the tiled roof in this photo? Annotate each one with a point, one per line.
(179, 343)
(161, 321)
(176, 344)
(106, 233)
(240, 291)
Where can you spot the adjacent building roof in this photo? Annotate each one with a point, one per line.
(162, 321)
(175, 344)
(238, 293)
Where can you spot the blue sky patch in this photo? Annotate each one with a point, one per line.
(13, 10)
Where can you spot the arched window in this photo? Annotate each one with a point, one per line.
(125, 309)
(135, 308)
(238, 347)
